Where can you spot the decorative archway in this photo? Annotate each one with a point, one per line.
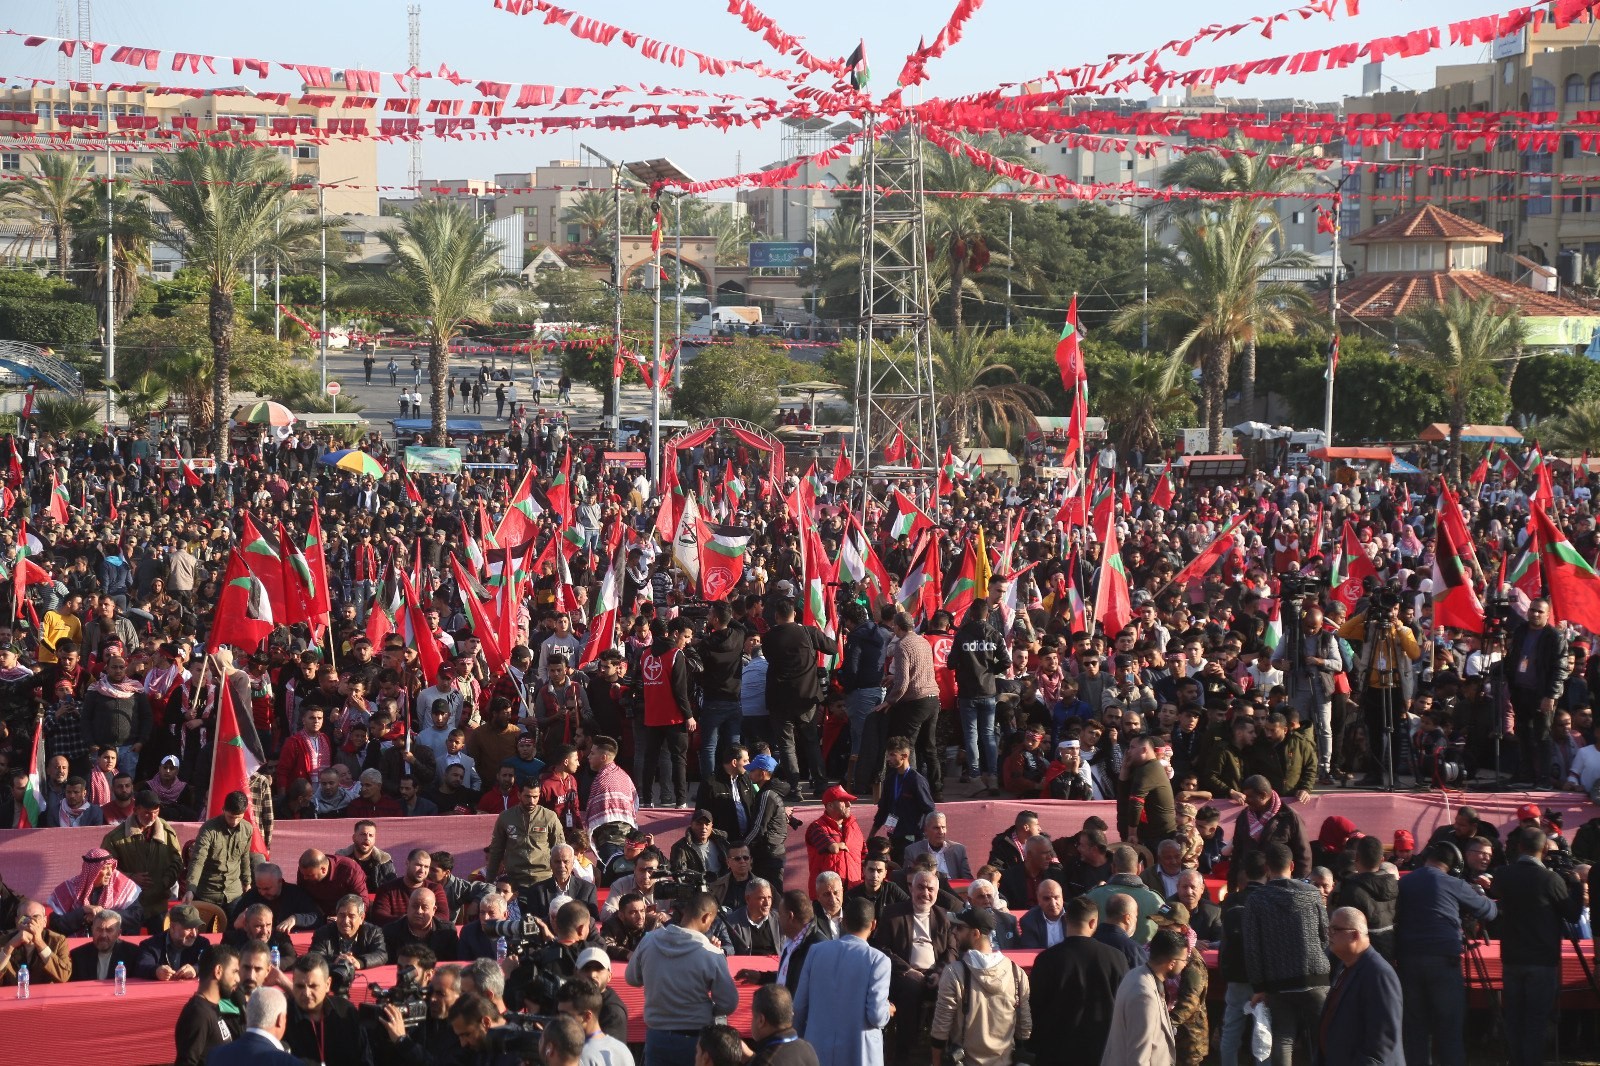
(745, 432)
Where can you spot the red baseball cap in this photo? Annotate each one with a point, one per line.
(837, 794)
(1529, 811)
(1404, 841)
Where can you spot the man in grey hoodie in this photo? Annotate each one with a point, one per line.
(686, 983)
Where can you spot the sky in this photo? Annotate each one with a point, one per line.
(1005, 41)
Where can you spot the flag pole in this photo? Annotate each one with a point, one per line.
(1333, 323)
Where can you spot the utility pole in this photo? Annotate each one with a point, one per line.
(655, 358)
(677, 224)
(322, 229)
(111, 288)
(414, 55)
(1010, 258)
(1333, 316)
(1144, 317)
(277, 284)
(616, 294)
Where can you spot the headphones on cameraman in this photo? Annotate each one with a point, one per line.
(1447, 853)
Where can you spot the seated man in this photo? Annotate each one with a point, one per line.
(981, 895)
(97, 960)
(827, 912)
(754, 928)
(876, 886)
(421, 925)
(392, 899)
(98, 887)
(35, 945)
(621, 933)
(478, 939)
(642, 880)
(258, 925)
(563, 881)
(327, 879)
(292, 908)
(349, 936)
(174, 954)
(1044, 926)
(951, 857)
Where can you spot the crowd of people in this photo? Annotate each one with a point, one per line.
(1250, 680)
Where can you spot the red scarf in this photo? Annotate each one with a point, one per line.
(1256, 824)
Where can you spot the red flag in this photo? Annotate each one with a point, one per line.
(841, 466)
(190, 478)
(478, 615)
(1455, 603)
(1573, 585)
(1162, 495)
(56, 509)
(244, 609)
(411, 487)
(415, 626)
(1201, 564)
(317, 560)
(265, 563)
(233, 759)
(1113, 607)
(895, 451)
(14, 468)
(1481, 473)
(1357, 568)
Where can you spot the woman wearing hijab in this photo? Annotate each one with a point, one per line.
(99, 886)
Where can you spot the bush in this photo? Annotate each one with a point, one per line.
(52, 324)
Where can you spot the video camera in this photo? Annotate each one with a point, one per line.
(520, 934)
(1497, 613)
(519, 1036)
(405, 995)
(674, 888)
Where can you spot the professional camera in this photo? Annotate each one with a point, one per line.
(1297, 585)
(405, 995)
(519, 1037)
(676, 887)
(1497, 613)
(520, 934)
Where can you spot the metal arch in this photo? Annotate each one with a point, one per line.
(29, 362)
(894, 394)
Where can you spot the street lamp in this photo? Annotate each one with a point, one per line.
(322, 231)
(654, 174)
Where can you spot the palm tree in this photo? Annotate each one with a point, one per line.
(133, 232)
(444, 263)
(835, 272)
(63, 414)
(1218, 300)
(956, 231)
(225, 205)
(1574, 431)
(1238, 165)
(1458, 343)
(733, 232)
(48, 197)
(975, 390)
(1139, 394)
(595, 213)
(144, 394)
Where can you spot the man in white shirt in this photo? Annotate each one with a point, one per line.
(562, 644)
(828, 915)
(1045, 925)
(1585, 773)
(434, 735)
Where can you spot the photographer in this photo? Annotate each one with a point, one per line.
(1536, 903)
(543, 963)
(322, 1028)
(431, 1043)
(1536, 668)
(476, 1022)
(1428, 941)
(1385, 669)
(1310, 661)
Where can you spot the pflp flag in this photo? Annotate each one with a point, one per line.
(841, 466)
(686, 540)
(722, 553)
(1354, 570)
(244, 615)
(895, 451)
(1163, 494)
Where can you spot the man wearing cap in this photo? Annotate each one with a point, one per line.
(146, 849)
(1405, 848)
(1068, 778)
(834, 841)
(982, 1006)
(174, 954)
(769, 826)
(703, 849)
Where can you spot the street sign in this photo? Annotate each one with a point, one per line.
(791, 254)
(333, 388)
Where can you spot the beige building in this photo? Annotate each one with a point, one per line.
(1545, 215)
(352, 161)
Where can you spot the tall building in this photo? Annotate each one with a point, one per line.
(1545, 217)
(347, 162)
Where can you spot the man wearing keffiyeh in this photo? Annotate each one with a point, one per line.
(99, 886)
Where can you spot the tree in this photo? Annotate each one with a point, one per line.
(957, 229)
(444, 260)
(225, 205)
(1239, 166)
(1142, 397)
(1217, 299)
(739, 379)
(1549, 383)
(733, 232)
(48, 197)
(133, 232)
(63, 414)
(1576, 431)
(595, 213)
(1458, 343)
(974, 390)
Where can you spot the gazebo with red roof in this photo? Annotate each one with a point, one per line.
(1425, 255)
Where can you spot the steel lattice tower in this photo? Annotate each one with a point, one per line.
(894, 389)
(414, 53)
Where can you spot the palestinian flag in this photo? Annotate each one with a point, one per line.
(236, 755)
(474, 552)
(244, 615)
(560, 492)
(1009, 602)
(521, 517)
(861, 564)
(1523, 574)
(265, 563)
(60, 501)
(919, 592)
(1201, 564)
(963, 592)
(1573, 585)
(908, 520)
(1544, 493)
(24, 571)
(1164, 493)
(1075, 381)
(478, 615)
(411, 487)
(856, 66)
(602, 635)
(1274, 634)
(722, 551)
(1455, 603)
(1113, 608)
(190, 476)
(734, 485)
(32, 813)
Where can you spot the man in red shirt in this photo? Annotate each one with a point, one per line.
(834, 841)
(390, 899)
(503, 795)
(305, 753)
(558, 790)
(371, 802)
(329, 878)
(668, 670)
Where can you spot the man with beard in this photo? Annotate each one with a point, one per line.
(97, 960)
(323, 1028)
(77, 901)
(201, 1024)
(146, 849)
(116, 712)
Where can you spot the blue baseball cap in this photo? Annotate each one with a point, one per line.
(764, 762)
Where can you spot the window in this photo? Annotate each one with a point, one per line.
(1569, 146)
(10, 160)
(1297, 218)
(1574, 90)
(1571, 200)
(1543, 95)
(124, 164)
(1594, 87)
(99, 112)
(135, 109)
(305, 151)
(161, 218)
(63, 109)
(1540, 186)
(43, 111)
(353, 236)
(574, 234)
(119, 109)
(1127, 166)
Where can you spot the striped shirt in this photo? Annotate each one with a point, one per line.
(612, 798)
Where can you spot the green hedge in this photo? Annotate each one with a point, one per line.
(49, 325)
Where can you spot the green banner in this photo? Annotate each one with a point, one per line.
(1560, 331)
(433, 460)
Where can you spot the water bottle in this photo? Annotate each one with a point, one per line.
(275, 958)
(119, 980)
(500, 949)
(22, 981)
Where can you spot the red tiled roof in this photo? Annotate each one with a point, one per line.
(1390, 295)
(1428, 223)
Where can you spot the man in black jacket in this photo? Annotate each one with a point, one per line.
(1230, 959)
(323, 1028)
(1374, 893)
(1535, 905)
(721, 653)
(97, 960)
(861, 675)
(977, 655)
(1073, 989)
(201, 1025)
(754, 929)
(727, 794)
(794, 689)
(1536, 666)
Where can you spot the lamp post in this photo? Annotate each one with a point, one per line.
(654, 174)
(111, 288)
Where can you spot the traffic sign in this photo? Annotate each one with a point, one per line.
(333, 388)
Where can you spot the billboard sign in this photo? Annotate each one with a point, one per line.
(792, 254)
